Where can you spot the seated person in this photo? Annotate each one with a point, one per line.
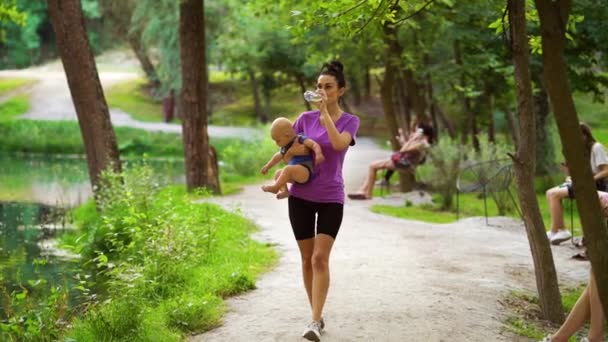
(299, 167)
(412, 152)
(588, 306)
(599, 167)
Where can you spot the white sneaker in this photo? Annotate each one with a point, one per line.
(561, 236)
(313, 331)
(546, 339)
(550, 234)
(584, 339)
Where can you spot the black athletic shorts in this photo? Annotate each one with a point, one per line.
(302, 214)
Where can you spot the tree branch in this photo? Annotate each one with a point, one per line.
(415, 13)
(370, 19)
(339, 14)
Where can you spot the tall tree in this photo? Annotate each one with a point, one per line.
(194, 94)
(553, 17)
(85, 87)
(544, 267)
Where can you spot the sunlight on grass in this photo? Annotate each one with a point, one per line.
(14, 107)
(415, 213)
(8, 84)
(132, 98)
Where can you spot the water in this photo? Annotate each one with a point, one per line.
(34, 196)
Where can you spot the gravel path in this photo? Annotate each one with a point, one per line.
(392, 279)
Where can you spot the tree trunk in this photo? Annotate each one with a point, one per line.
(194, 97)
(513, 126)
(544, 267)
(144, 60)
(87, 94)
(367, 83)
(406, 179)
(431, 96)
(257, 103)
(469, 119)
(553, 17)
(302, 85)
(491, 123)
(544, 144)
(356, 90)
(445, 121)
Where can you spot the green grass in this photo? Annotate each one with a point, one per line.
(230, 96)
(14, 107)
(472, 205)
(593, 113)
(189, 256)
(422, 213)
(8, 84)
(133, 98)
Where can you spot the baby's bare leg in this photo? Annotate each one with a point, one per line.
(289, 174)
(283, 192)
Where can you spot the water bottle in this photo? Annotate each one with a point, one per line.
(312, 96)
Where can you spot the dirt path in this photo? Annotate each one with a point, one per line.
(50, 99)
(392, 279)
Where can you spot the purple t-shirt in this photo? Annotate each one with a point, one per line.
(327, 185)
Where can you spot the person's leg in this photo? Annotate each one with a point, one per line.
(596, 327)
(367, 188)
(320, 266)
(284, 191)
(289, 174)
(302, 217)
(575, 320)
(556, 210)
(306, 251)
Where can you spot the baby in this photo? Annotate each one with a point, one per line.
(299, 167)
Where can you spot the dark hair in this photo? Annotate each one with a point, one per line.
(588, 138)
(335, 69)
(428, 131)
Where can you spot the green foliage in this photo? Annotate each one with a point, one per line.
(10, 13)
(443, 165)
(30, 317)
(14, 107)
(168, 259)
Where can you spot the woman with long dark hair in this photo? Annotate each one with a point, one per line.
(316, 208)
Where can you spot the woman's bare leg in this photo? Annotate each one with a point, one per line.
(306, 250)
(367, 187)
(596, 327)
(320, 267)
(575, 320)
(556, 210)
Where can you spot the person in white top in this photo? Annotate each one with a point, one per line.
(599, 167)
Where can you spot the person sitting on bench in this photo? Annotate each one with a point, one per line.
(411, 154)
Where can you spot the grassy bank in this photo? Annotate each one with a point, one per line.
(14, 107)
(9, 84)
(157, 266)
(230, 99)
(471, 205)
(239, 163)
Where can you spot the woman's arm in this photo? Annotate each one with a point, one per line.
(602, 173)
(339, 141)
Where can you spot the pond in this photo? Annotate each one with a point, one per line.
(35, 194)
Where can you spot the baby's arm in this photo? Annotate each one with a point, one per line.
(272, 162)
(311, 144)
